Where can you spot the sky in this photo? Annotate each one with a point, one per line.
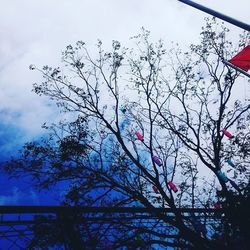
(36, 32)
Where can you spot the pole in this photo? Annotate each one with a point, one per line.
(217, 14)
(70, 231)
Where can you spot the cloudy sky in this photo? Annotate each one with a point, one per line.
(36, 31)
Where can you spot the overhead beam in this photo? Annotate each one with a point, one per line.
(217, 14)
(78, 209)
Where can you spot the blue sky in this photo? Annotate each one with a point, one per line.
(35, 32)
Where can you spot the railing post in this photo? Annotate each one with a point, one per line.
(70, 231)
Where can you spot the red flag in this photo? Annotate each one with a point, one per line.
(242, 59)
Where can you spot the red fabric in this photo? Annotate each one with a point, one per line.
(242, 59)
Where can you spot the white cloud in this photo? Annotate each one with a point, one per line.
(35, 32)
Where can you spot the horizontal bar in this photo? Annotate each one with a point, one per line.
(64, 209)
(217, 14)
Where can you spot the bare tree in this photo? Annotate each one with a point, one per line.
(147, 127)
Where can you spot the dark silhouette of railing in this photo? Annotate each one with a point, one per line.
(17, 223)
